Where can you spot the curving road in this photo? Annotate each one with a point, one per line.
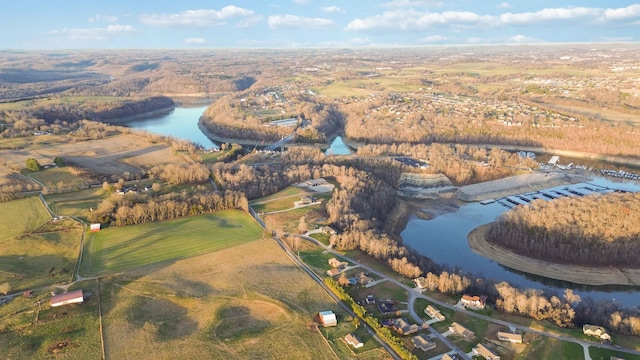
(415, 294)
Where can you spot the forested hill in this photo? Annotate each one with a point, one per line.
(103, 110)
(594, 230)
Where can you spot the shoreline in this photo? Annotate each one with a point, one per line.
(571, 273)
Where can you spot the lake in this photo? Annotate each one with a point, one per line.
(181, 123)
(444, 239)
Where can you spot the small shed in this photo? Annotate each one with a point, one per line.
(73, 297)
(328, 318)
(94, 227)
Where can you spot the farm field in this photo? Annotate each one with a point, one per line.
(67, 332)
(118, 249)
(75, 203)
(246, 301)
(36, 251)
(58, 178)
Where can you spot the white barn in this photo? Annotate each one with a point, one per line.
(74, 297)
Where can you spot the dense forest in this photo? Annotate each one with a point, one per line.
(593, 230)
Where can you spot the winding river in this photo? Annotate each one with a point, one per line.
(443, 238)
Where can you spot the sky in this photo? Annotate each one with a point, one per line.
(163, 24)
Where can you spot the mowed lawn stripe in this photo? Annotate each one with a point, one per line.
(124, 248)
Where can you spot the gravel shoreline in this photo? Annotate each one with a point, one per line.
(572, 273)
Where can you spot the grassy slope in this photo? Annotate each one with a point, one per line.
(35, 251)
(124, 248)
(247, 301)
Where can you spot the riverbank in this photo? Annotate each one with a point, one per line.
(571, 273)
(224, 140)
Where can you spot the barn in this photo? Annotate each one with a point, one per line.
(73, 297)
(328, 318)
(95, 227)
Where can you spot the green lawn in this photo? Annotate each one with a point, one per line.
(605, 354)
(546, 348)
(75, 203)
(19, 217)
(118, 249)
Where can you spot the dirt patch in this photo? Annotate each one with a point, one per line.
(571, 273)
(423, 209)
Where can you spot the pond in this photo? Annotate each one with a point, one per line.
(444, 239)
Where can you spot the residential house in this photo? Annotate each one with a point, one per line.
(597, 331)
(333, 272)
(474, 302)
(485, 352)
(434, 313)
(448, 356)
(387, 308)
(461, 330)
(510, 337)
(333, 262)
(73, 297)
(328, 318)
(353, 341)
(420, 282)
(344, 281)
(316, 182)
(361, 278)
(423, 342)
(403, 327)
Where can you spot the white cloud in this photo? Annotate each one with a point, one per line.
(631, 11)
(357, 41)
(332, 9)
(408, 3)
(522, 39)
(297, 22)
(548, 15)
(302, 2)
(195, 41)
(197, 18)
(103, 18)
(414, 20)
(433, 38)
(504, 5)
(94, 34)
(248, 21)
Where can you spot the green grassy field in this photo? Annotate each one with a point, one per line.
(546, 348)
(19, 217)
(53, 177)
(119, 249)
(605, 354)
(35, 250)
(75, 203)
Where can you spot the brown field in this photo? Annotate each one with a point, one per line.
(249, 301)
(113, 155)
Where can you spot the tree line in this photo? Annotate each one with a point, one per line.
(593, 230)
(129, 209)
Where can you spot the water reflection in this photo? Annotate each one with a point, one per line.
(444, 239)
(338, 147)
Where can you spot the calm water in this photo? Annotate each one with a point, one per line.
(181, 123)
(338, 147)
(444, 239)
